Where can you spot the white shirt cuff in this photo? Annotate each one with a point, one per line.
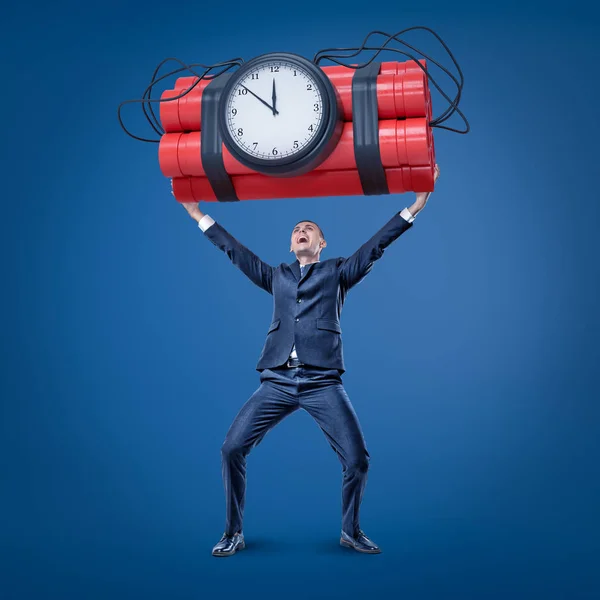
(405, 214)
(205, 222)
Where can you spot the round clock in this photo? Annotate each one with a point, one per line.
(280, 115)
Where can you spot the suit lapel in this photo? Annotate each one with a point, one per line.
(295, 267)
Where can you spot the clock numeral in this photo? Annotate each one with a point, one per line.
(275, 153)
(242, 92)
(295, 74)
(311, 128)
(316, 108)
(255, 144)
(234, 111)
(275, 69)
(240, 132)
(296, 145)
(309, 86)
(254, 75)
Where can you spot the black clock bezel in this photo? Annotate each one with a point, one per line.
(323, 142)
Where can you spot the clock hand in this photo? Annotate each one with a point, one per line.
(274, 97)
(259, 98)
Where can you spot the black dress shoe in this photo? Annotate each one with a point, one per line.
(360, 543)
(229, 545)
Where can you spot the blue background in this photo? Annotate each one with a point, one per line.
(130, 342)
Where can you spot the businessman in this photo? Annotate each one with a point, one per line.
(301, 363)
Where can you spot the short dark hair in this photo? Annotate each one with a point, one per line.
(308, 221)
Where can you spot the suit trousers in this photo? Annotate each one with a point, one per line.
(282, 391)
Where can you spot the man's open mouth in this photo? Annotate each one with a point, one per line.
(302, 239)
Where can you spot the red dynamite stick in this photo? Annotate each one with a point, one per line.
(341, 77)
(406, 142)
(417, 98)
(397, 96)
(183, 114)
(403, 94)
(310, 185)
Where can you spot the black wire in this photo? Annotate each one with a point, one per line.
(453, 104)
(395, 36)
(148, 91)
(160, 130)
(318, 58)
(321, 55)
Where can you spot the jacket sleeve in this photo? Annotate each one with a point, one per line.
(258, 271)
(356, 267)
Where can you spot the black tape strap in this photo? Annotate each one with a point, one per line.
(211, 142)
(365, 125)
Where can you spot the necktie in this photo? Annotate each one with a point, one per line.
(293, 352)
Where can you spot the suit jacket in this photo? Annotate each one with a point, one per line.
(307, 310)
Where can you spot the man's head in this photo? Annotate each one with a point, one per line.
(307, 240)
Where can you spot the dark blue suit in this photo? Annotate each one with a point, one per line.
(306, 312)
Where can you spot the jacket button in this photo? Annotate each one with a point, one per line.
(297, 320)
(299, 300)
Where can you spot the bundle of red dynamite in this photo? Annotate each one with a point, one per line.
(406, 146)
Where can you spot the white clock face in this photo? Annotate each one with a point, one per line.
(275, 110)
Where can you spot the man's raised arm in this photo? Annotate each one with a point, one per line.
(356, 267)
(258, 271)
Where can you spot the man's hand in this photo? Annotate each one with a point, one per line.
(193, 208)
(422, 197)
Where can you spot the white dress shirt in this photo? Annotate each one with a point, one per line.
(206, 221)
